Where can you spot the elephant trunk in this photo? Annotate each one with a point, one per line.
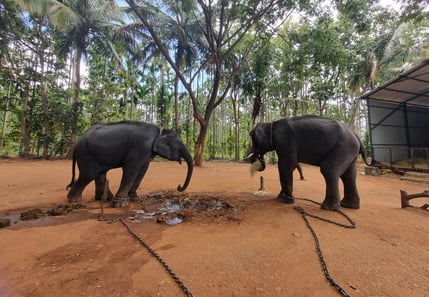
(188, 158)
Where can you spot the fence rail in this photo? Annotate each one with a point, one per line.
(416, 159)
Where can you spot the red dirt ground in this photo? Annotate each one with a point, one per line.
(259, 247)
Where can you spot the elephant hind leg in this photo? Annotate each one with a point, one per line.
(75, 193)
(331, 202)
(332, 194)
(351, 197)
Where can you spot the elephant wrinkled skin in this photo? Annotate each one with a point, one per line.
(314, 140)
(127, 144)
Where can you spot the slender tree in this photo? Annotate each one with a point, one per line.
(213, 48)
(78, 22)
(224, 25)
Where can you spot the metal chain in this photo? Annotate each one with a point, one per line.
(143, 243)
(155, 254)
(299, 209)
(352, 225)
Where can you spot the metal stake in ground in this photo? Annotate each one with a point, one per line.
(102, 199)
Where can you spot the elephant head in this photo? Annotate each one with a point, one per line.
(169, 146)
(261, 143)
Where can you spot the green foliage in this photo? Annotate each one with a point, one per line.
(315, 63)
(164, 106)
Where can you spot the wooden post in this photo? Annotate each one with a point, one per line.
(405, 198)
(261, 182)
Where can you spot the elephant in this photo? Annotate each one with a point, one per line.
(300, 171)
(327, 143)
(131, 145)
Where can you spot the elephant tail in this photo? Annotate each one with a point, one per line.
(73, 173)
(362, 151)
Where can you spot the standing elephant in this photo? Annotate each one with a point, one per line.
(300, 171)
(127, 144)
(313, 140)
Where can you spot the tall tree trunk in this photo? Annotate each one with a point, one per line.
(355, 106)
(44, 96)
(257, 104)
(4, 126)
(25, 122)
(199, 146)
(236, 127)
(176, 104)
(76, 95)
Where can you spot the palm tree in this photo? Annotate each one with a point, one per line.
(180, 26)
(224, 25)
(78, 22)
(186, 38)
(398, 46)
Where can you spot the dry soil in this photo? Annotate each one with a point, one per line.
(237, 241)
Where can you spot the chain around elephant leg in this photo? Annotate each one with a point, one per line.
(118, 202)
(288, 199)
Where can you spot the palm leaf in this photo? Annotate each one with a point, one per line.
(64, 18)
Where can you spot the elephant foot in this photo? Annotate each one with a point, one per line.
(282, 197)
(134, 197)
(350, 204)
(120, 202)
(330, 206)
(72, 199)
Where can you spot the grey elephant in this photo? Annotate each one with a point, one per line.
(314, 140)
(127, 144)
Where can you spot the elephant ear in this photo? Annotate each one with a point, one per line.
(261, 137)
(162, 147)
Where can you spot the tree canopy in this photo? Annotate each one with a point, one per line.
(208, 69)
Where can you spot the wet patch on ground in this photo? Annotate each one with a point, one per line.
(37, 213)
(41, 216)
(173, 208)
(165, 207)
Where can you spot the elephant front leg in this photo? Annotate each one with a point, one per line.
(286, 181)
(121, 198)
(132, 194)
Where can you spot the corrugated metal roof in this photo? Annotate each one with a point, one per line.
(410, 87)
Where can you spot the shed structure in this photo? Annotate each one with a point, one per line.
(398, 118)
